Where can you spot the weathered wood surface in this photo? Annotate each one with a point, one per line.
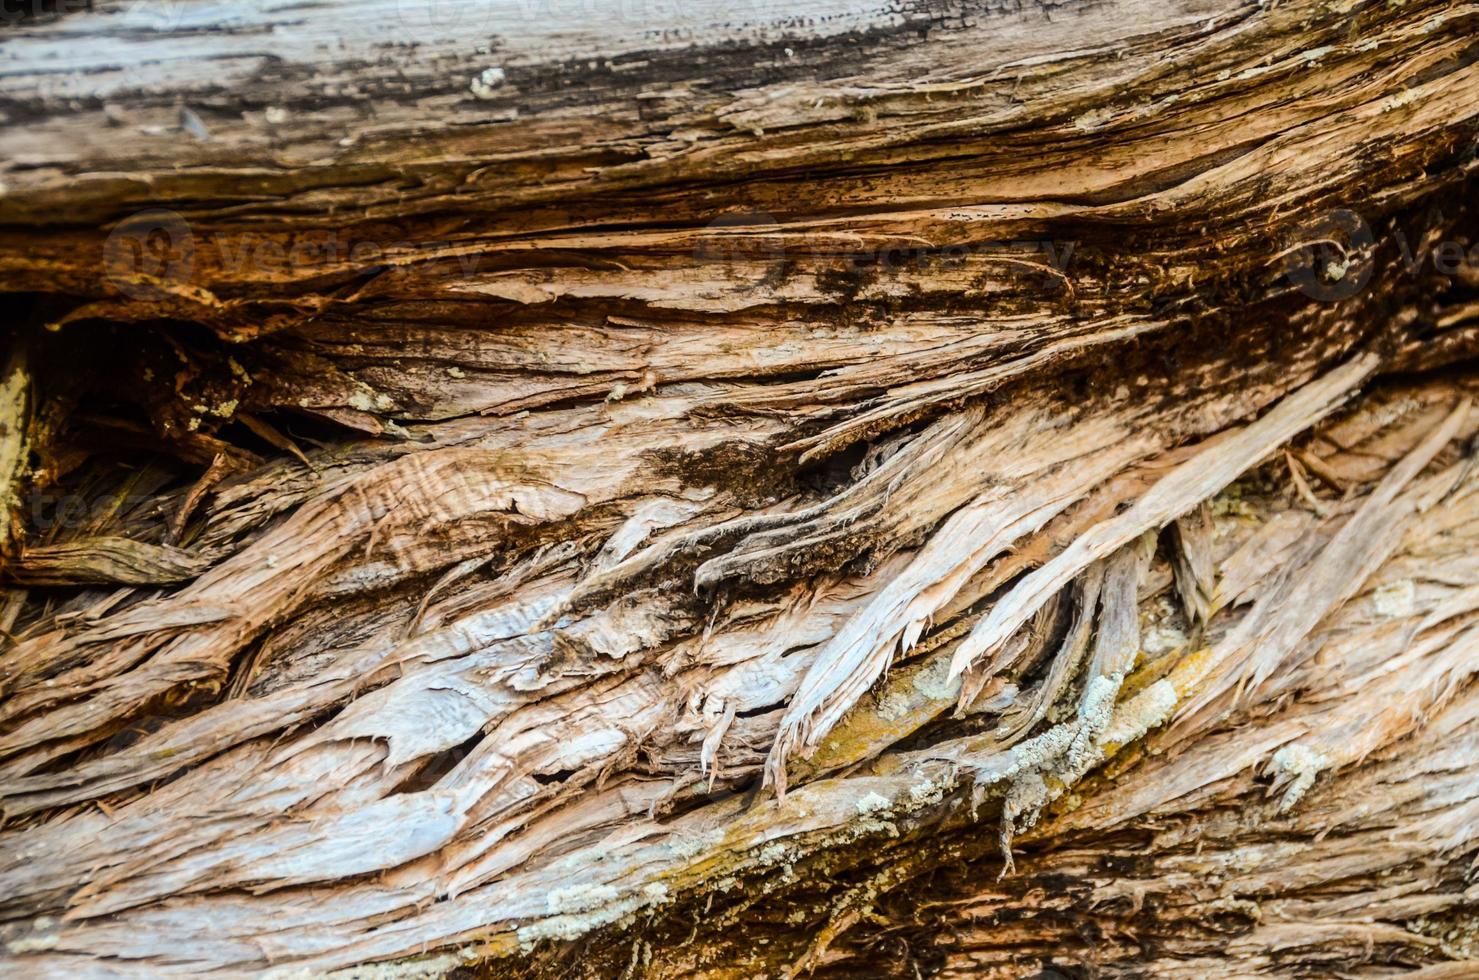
(498, 475)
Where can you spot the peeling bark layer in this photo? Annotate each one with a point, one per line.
(954, 490)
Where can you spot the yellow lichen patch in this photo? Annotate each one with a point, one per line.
(912, 696)
(1191, 670)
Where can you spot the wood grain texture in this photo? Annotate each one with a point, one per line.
(584, 488)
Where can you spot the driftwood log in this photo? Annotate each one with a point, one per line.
(599, 487)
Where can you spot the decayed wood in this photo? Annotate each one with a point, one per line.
(897, 491)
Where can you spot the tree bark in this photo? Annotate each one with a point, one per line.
(971, 489)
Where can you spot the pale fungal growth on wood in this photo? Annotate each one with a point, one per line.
(910, 492)
(1295, 768)
(487, 83)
